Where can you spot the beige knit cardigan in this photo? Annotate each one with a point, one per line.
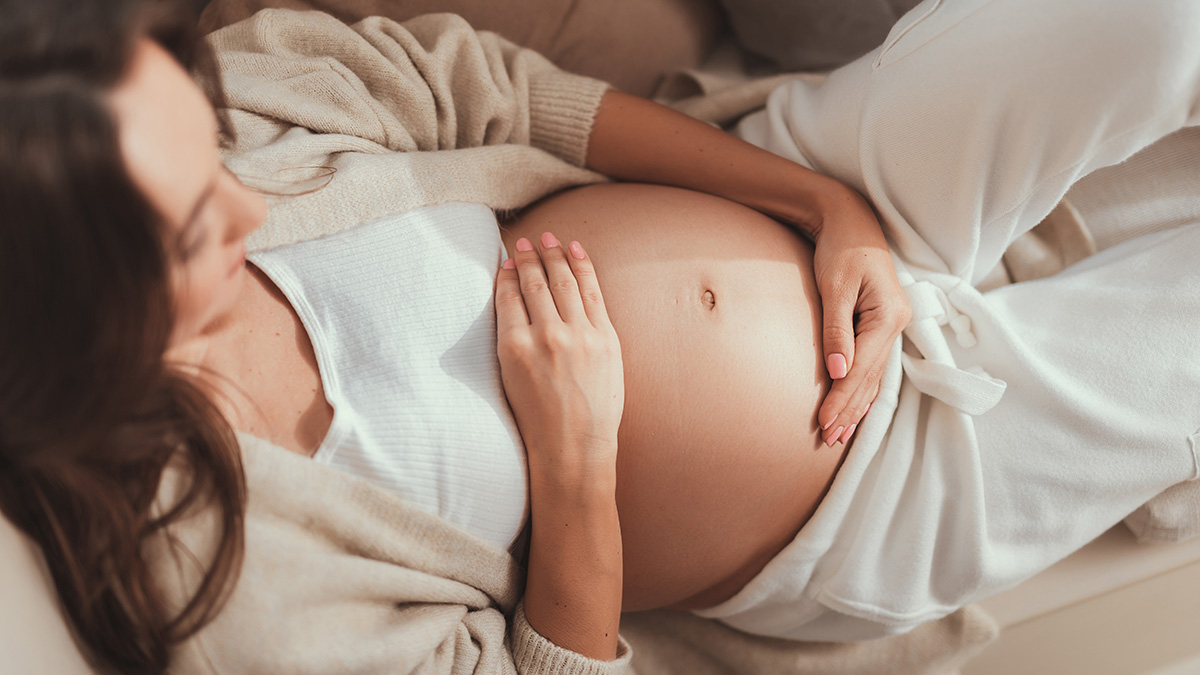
(342, 577)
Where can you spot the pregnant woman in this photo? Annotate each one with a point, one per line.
(137, 339)
(730, 499)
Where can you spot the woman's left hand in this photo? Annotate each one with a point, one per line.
(636, 140)
(863, 310)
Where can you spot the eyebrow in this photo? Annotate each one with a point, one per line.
(190, 222)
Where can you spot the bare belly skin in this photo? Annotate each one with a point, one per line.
(720, 459)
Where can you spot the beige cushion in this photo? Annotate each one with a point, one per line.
(1173, 515)
(628, 43)
(34, 637)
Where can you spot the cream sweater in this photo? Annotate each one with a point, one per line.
(309, 94)
(340, 576)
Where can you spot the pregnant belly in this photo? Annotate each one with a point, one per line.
(720, 461)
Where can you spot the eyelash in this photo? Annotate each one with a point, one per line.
(197, 244)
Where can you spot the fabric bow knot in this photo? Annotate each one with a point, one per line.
(935, 373)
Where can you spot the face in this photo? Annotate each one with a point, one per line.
(168, 136)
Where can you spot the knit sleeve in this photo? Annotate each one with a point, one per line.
(535, 655)
(431, 83)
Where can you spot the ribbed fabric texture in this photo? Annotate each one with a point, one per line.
(561, 111)
(401, 318)
(535, 654)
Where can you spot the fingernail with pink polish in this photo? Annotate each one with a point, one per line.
(829, 423)
(836, 363)
(849, 433)
(524, 245)
(509, 263)
(548, 240)
(834, 437)
(576, 250)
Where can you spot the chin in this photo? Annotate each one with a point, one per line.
(221, 311)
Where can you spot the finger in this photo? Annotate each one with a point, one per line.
(849, 433)
(847, 415)
(510, 305)
(853, 418)
(534, 288)
(561, 278)
(589, 286)
(838, 328)
(849, 397)
(847, 400)
(874, 395)
(852, 413)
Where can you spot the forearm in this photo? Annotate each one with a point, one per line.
(634, 139)
(573, 588)
(863, 306)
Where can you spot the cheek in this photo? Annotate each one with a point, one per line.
(191, 299)
(257, 209)
(203, 292)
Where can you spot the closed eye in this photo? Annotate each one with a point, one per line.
(196, 245)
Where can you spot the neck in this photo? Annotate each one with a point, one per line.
(191, 353)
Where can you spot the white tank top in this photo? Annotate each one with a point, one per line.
(401, 317)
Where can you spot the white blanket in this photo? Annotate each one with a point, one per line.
(1014, 426)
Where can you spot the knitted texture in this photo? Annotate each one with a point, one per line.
(338, 119)
(535, 654)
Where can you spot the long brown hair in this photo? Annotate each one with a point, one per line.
(90, 415)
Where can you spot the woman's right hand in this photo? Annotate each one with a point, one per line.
(561, 366)
(560, 362)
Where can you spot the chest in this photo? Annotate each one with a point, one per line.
(268, 375)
